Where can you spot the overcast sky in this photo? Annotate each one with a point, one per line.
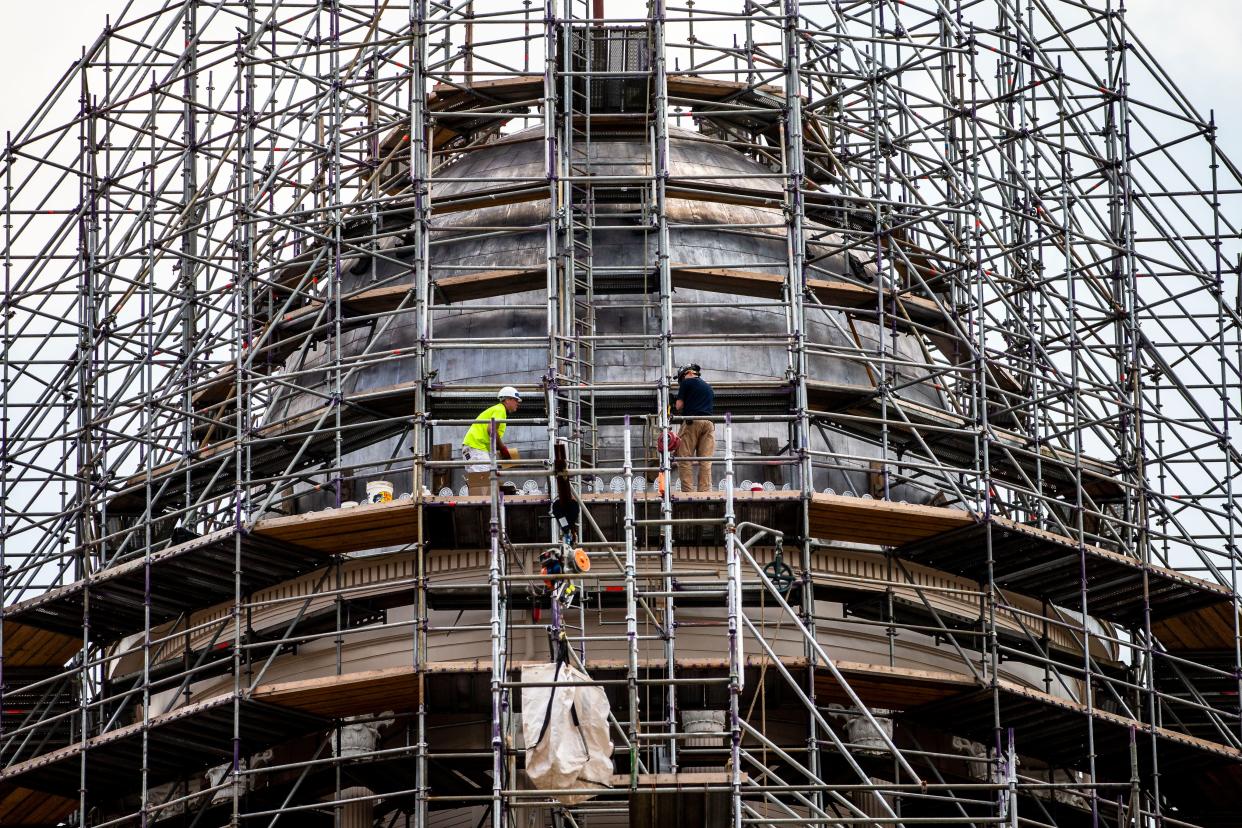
(1199, 42)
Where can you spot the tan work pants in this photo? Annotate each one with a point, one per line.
(698, 439)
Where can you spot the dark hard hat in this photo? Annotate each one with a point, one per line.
(685, 369)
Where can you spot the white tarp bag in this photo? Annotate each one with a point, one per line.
(565, 730)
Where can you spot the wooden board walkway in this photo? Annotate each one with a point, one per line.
(1028, 561)
(1209, 628)
(199, 734)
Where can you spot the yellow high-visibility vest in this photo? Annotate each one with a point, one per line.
(477, 437)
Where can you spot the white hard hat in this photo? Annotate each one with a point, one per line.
(509, 391)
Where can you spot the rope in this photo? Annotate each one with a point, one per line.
(562, 658)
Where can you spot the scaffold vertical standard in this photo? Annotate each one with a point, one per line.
(964, 278)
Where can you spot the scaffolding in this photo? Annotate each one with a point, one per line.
(973, 556)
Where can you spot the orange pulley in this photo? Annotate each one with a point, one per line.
(582, 561)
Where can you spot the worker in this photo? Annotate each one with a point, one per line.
(695, 399)
(476, 448)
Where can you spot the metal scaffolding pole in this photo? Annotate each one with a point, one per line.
(974, 263)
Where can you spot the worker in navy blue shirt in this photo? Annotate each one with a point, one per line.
(698, 437)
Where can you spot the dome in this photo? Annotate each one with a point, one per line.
(489, 215)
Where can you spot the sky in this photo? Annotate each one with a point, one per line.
(1198, 41)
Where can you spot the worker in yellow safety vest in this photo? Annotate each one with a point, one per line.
(477, 446)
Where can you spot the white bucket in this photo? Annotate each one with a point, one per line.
(379, 491)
